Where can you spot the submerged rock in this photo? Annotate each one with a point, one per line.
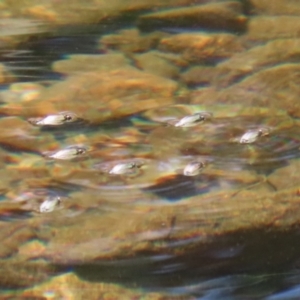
(200, 75)
(20, 135)
(173, 58)
(131, 41)
(89, 239)
(21, 91)
(265, 28)
(22, 273)
(257, 58)
(71, 286)
(285, 177)
(81, 63)
(152, 63)
(18, 29)
(202, 47)
(216, 137)
(5, 75)
(275, 87)
(225, 16)
(160, 211)
(99, 96)
(78, 12)
(274, 7)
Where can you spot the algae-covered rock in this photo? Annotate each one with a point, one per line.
(100, 95)
(200, 75)
(5, 75)
(70, 286)
(81, 63)
(264, 28)
(17, 270)
(220, 16)
(131, 41)
(152, 63)
(17, 29)
(81, 12)
(285, 177)
(160, 211)
(173, 58)
(21, 91)
(145, 221)
(147, 229)
(275, 87)
(19, 134)
(202, 47)
(257, 58)
(22, 273)
(20, 27)
(274, 7)
(204, 95)
(217, 135)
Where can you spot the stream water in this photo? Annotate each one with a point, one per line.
(149, 180)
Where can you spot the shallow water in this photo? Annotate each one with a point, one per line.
(106, 198)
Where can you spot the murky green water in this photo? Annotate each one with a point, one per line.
(149, 151)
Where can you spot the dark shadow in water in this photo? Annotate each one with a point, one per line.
(174, 189)
(244, 253)
(32, 60)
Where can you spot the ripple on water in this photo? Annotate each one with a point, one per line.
(130, 194)
(151, 158)
(220, 136)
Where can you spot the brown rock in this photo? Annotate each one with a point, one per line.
(276, 87)
(286, 177)
(151, 62)
(173, 58)
(257, 58)
(21, 274)
(16, 30)
(274, 7)
(5, 75)
(20, 27)
(69, 286)
(200, 75)
(99, 96)
(20, 135)
(12, 236)
(21, 91)
(264, 28)
(221, 16)
(82, 63)
(131, 41)
(78, 12)
(146, 229)
(141, 222)
(201, 47)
